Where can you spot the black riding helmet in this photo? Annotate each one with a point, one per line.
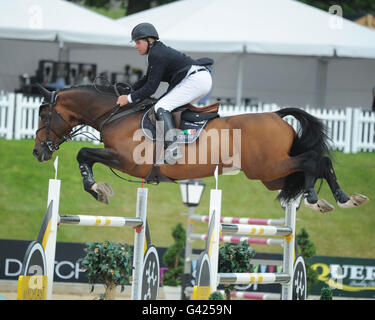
(144, 30)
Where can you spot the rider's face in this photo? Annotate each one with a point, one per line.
(141, 46)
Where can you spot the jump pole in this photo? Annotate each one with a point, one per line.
(139, 236)
(287, 232)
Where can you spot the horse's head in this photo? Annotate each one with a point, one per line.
(54, 125)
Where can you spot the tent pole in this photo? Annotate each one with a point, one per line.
(241, 58)
(321, 82)
(63, 52)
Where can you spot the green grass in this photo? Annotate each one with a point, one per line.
(24, 185)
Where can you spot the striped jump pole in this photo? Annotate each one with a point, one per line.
(237, 239)
(256, 230)
(253, 295)
(287, 232)
(100, 221)
(269, 222)
(251, 278)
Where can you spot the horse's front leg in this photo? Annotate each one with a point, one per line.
(86, 158)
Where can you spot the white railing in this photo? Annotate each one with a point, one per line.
(6, 114)
(27, 120)
(350, 129)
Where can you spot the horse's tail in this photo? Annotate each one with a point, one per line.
(311, 136)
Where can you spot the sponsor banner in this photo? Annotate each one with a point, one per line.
(347, 277)
(67, 266)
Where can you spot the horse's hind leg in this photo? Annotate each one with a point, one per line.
(309, 165)
(86, 158)
(311, 198)
(343, 200)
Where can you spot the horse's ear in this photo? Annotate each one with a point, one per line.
(44, 92)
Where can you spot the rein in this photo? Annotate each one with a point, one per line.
(113, 115)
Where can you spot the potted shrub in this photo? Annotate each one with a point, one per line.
(108, 263)
(307, 250)
(235, 257)
(173, 260)
(216, 296)
(326, 293)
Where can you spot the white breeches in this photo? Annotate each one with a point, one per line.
(191, 88)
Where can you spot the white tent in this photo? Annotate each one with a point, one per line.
(57, 20)
(33, 30)
(266, 27)
(282, 50)
(276, 51)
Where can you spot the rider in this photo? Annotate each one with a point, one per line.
(188, 79)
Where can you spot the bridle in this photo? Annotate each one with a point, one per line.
(110, 114)
(55, 145)
(49, 143)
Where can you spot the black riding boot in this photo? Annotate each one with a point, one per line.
(172, 151)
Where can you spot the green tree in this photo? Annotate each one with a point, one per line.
(307, 250)
(235, 258)
(172, 257)
(108, 263)
(216, 296)
(326, 293)
(135, 6)
(97, 3)
(349, 7)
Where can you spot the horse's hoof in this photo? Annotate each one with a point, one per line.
(355, 200)
(321, 205)
(103, 190)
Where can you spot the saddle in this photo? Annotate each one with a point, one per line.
(190, 113)
(189, 119)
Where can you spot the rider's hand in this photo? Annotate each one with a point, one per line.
(122, 100)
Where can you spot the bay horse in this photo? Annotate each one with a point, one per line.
(267, 147)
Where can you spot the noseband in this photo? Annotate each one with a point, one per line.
(49, 143)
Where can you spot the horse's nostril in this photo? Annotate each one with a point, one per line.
(35, 153)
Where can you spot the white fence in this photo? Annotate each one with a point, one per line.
(19, 118)
(351, 129)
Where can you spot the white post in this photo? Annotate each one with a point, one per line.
(356, 133)
(213, 252)
(289, 242)
(17, 123)
(348, 130)
(139, 244)
(50, 249)
(9, 125)
(188, 243)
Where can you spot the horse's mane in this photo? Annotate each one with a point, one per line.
(101, 88)
(96, 87)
